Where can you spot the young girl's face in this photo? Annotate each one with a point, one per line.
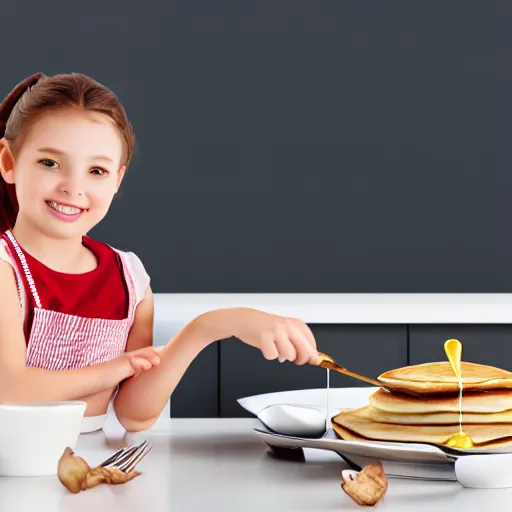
(66, 172)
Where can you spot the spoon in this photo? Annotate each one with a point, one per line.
(329, 363)
(294, 420)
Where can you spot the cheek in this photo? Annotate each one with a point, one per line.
(103, 194)
(29, 189)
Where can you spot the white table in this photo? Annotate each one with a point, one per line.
(219, 465)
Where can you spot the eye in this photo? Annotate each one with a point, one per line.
(47, 162)
(98, 171)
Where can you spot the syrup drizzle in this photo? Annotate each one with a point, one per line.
(327, 397)
(453, 349)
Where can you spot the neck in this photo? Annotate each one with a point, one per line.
(59, 254)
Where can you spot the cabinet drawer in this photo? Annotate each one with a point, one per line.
(366, 349)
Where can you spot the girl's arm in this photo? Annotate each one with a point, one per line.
(20, 383)
(140, 401)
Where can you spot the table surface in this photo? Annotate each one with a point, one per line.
(221, 465)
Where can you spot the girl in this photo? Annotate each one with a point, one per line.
(76, 316)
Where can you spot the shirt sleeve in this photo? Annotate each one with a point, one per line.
(139, 274)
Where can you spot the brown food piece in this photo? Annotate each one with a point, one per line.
(72, 471)
(111, 476)
(76, 475)
(368, 487)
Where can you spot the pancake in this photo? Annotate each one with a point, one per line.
(483, 402)
(439, 377)
(439, 418)
(357, 424)
(347, 435)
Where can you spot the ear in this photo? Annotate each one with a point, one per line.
(120, 176)
(6, 162)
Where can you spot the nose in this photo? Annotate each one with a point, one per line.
(72, 186)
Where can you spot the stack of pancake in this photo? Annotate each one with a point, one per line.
(423, 406)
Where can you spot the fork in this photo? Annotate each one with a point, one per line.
(128, 457)
(329, 363)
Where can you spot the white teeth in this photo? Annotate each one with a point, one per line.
(68, 210)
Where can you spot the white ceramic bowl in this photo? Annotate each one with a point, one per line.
(33, 436)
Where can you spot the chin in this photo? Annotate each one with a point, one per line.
(62, 230)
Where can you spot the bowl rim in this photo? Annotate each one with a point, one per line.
(42, 405)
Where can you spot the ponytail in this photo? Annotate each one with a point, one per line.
(8, 201)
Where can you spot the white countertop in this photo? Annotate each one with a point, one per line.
(220, 465)
(175, 310)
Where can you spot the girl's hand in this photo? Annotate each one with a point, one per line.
(143, 359)
(277, 337)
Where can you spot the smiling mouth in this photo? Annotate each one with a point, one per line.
(66, 210)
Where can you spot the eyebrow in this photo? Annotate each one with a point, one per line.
(62, 153)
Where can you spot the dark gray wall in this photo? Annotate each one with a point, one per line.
(298, 146)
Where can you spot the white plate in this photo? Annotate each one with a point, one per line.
(405, 460)
(339, 398)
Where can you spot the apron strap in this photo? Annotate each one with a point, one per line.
(26, 270)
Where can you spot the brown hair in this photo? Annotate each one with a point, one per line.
(39, 94)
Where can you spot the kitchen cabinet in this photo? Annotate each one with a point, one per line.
(196, 396)
(229, 369)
